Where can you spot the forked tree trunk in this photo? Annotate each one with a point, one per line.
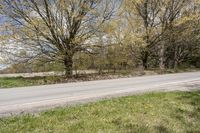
(68, 62)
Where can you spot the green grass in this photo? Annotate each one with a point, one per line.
(22, 82)
(150, 113)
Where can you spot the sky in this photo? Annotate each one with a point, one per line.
(2, 66)
(2, 19)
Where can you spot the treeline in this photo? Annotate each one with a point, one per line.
(130, 34)
(161, 34)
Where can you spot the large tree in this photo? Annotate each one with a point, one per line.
(56, 29)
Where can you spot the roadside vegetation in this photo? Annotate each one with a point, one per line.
(11, 82)
(155, 112)
(22, 82)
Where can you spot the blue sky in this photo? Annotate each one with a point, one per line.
(2, 66)
(2, 19)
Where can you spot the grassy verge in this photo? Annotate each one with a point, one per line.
(157, 112)
(22, 82)
(32, 81)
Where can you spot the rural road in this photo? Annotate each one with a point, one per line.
(37, 98)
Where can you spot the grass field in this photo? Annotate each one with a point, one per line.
(150, 113)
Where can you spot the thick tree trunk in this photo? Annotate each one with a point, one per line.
(162, 57)
(68, 62)
(145, 60)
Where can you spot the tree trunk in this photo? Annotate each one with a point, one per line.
(145, 60)
(176, 57)
(162, 57)
(68, 62)
(175, 65)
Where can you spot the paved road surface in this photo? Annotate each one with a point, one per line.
(29, 99)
